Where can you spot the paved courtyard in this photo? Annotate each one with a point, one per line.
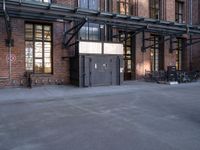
(134, 116)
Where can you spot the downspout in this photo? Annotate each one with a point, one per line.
(191, 22)
(9, 39)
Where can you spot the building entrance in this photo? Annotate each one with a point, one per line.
(129, 65)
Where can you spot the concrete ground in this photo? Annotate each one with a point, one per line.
(135, 116)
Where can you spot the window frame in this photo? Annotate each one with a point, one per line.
(155, 53)
(106, 6)
(126, 3)
(88, 34)
(179, 15)
(128, 54)
(179, 54)
(34, 40)
(154, 10)
(88, 5)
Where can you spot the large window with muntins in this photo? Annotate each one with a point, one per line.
(179, 54)
(38, 48)
(128, 59)
(106, 5)
(155, 9)
(89, 4)
(179, 9)
(90, 31)
(124, 7)
(155, 53)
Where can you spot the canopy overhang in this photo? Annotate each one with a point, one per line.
(56, 12)
(60, 13)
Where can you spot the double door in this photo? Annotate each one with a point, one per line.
(101, 70)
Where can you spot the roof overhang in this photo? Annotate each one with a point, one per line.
(56, 12)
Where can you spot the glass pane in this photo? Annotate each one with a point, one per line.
(125, 64)
(155, 9)
(157, 4)
(155, 54)
(180, 8)
(128, 50)
(38, 66)
(38, 49)
(176, 6)
(128, 41)
(93, 4)
(47, 33)
(128, 56)
(83, 33)
(47, 65)
(47, 1)
(94, 31)
(127, 9)
(29, 55)
(47, 47)
(29, 31)
(122, 8)
(47, 57)
(129, 65)
(38, 32)
(83, 3)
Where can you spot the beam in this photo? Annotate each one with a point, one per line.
(143, 49)
(171, 45)
(193, 43)
(134, 33)
(77, 29)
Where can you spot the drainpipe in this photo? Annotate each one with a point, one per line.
(9, 42)
(10, 63)
(191, 22)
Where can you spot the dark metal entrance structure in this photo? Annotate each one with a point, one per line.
(55, 12)
(100, 70)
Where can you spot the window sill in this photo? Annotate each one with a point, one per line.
(3, 78)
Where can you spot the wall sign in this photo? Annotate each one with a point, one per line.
(12, 58)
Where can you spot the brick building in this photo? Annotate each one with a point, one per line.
(39, 37)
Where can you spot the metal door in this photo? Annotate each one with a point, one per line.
(101, 70)
(87, 71)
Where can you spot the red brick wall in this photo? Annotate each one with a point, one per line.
(70, 3)
(60, 67)
(143, 60)
(17, 51)
(196, 47)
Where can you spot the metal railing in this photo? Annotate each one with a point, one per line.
(180, 76)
